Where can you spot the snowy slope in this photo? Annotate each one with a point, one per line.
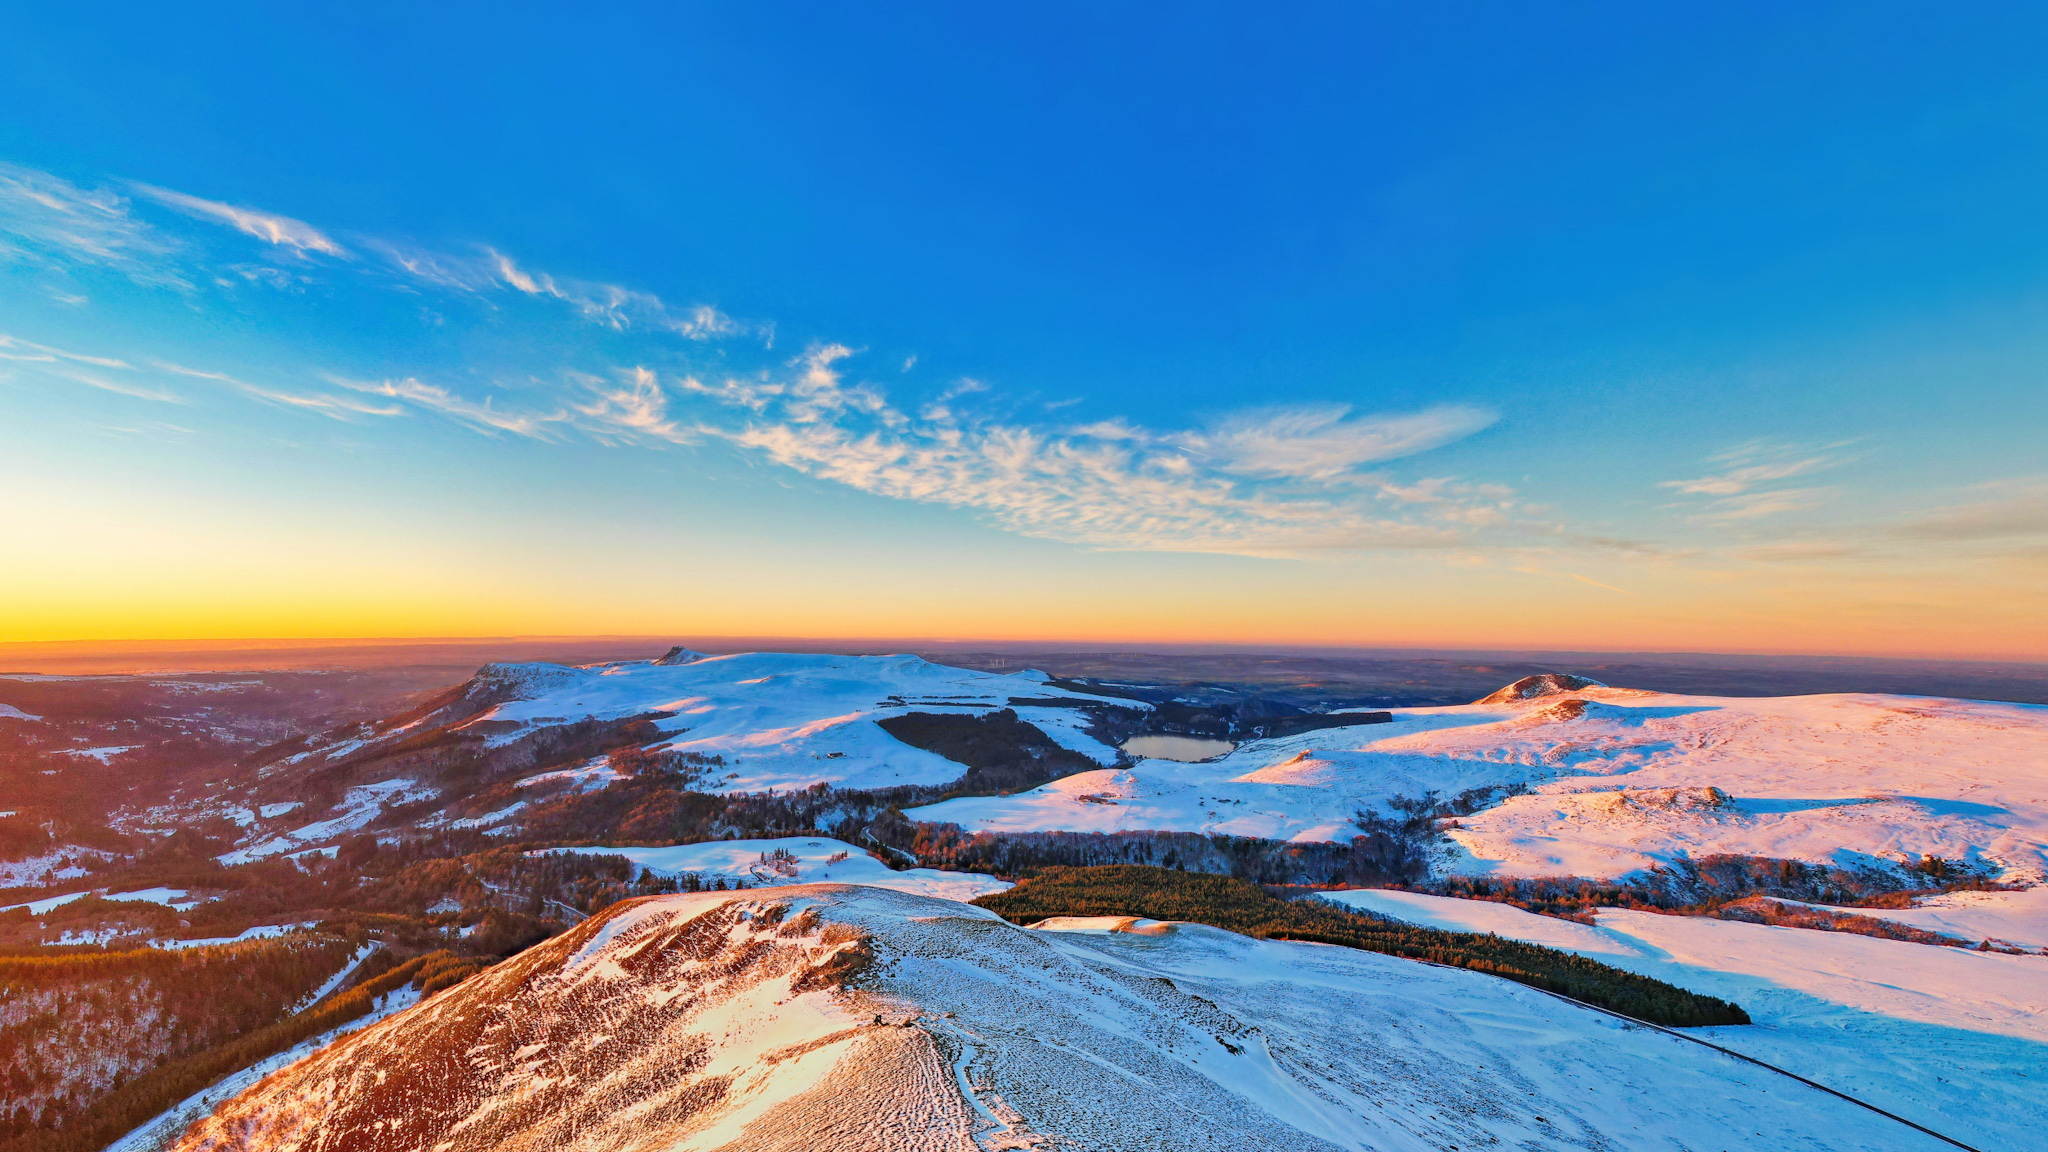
(2014, 918)
(1621, 781)
(749, 723)
(777, 719)
(720, 1021)
(1950, 1038)
(780, 719)
(741, 860)
(158, 1133)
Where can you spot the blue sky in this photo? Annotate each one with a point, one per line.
(1629, 326)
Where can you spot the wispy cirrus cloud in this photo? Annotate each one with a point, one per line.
(2001, 518)
(1117, 484)
(482, 416)
(1278, 480)
(336, 406)
(147, 381)
(633, 407)
(1758, 462)
(2005, 510)
(488, 271)
(58, 225)
(1748, 484)
(15, 348)
(119, 386)
(1772, 502)
(49, 221)
(106, 373)
(1322, 441)
(269, 227)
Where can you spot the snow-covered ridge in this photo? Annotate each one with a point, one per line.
(825, 1016)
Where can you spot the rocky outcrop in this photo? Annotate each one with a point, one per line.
(1539, 685)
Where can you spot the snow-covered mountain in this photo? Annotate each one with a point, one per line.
(777, 719)
(508, 807)
(1559, 776)
(827, 1016)
(1617, 780)
(748, 723)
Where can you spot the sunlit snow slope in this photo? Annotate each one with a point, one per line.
(1620, 780)
(827, 1016)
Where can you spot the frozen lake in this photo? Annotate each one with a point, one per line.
(1188, 748)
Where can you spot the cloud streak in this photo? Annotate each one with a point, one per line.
(489, 271)
(2008, 510)
(483, 417)
(281, 231)
(56, 225)
(1749, 485)
(339, 407)
(1323, 441)
(50, 222)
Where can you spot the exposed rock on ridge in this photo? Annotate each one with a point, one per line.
(1541, 684)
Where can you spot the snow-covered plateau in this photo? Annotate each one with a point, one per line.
(830, 1016)
(1618, 780)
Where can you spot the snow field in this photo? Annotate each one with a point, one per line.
(740, 860)
(1621, 781)
(1947, 1037)
(168, 897)
(360, 805)
(2016, 918)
